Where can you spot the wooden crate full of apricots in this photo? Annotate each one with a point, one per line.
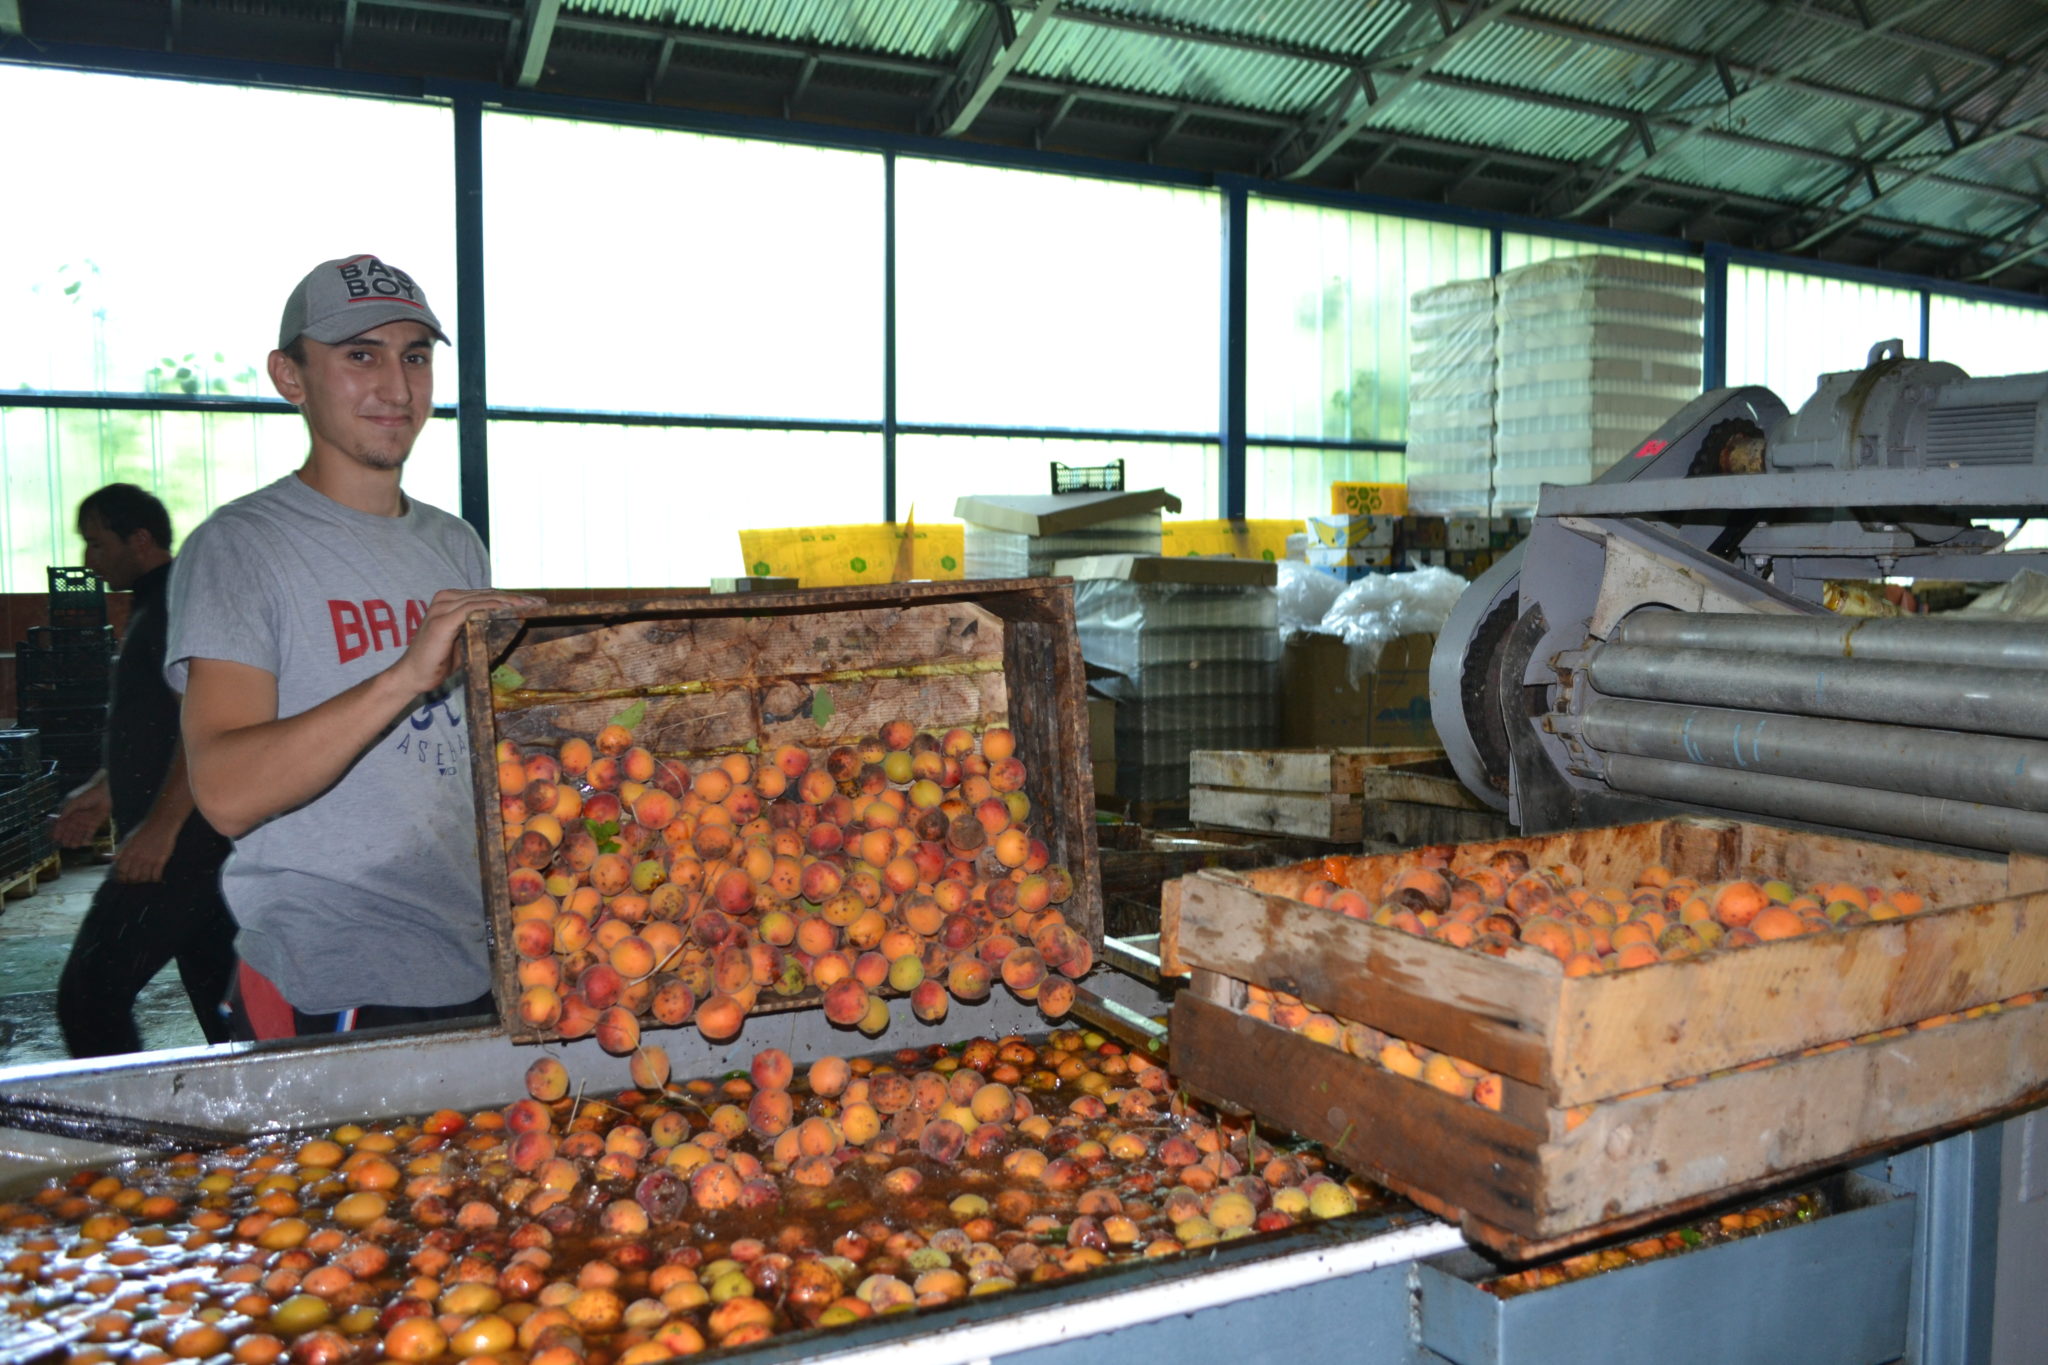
(1561, 1037)
(696, 809)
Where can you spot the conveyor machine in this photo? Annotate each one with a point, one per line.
(1659, 640)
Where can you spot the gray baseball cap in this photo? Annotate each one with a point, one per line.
(341, 299)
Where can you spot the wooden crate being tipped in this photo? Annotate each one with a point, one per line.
(1402, 797)
(723, 677)
(1629, 1095)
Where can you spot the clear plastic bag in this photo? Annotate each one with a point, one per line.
(1384, 607)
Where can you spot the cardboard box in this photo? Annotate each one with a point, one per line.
(1354, 557)
(1467, 533)
(1320, 708)
(1381, 499)
(1351, 532)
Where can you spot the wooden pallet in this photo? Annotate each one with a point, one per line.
(1404, 796)
(23, 884)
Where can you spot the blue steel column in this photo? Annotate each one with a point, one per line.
(889, 336)
(1494, 246)
(1236, 220)
(1926, 324)
(1714, 334)
(472, 423)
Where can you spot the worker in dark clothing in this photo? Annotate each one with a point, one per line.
(161, 899)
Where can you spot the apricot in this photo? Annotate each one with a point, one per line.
(1737, 904)
(617, 1032)
(929, 1001)
(719, 1017)
(1055, 997)
(846, 1002)
(540, 1007)
(1776, 922)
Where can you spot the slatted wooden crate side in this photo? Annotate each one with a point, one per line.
(1801, 858)
(714, 685)
(1692, 1016)
(1298, 770)
(1631, 1162)
(1048, 702)
(481, 729)
(1387, 1127)
(1732, 1134)
(1486, 1010)
(1310, 815)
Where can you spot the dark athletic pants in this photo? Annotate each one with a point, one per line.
(132, 930)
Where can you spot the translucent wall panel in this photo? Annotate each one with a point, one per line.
(1786, 329)
(579, 505)
(636, 269)
(169, 222)
(50, 458)
(1522, 248)
(934, 472)
(1282, 481)
(1987, 338)
(1040, 300)
(1327, 315)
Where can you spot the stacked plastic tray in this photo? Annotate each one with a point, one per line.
(1595, 352)
(1008, 554)
(1198, 667)
(64, 675)
(29, 791)
(1450, 398)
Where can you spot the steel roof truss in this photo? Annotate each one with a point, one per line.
(992, 53)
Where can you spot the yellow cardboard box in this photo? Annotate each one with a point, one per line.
(1252, 539)
(1369, 499)
(837, 556)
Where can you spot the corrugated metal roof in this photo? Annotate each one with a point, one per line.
(1784, 109)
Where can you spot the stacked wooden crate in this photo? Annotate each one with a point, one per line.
(1631, 1095)
(1400, 797)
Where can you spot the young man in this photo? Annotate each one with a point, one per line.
(161, 899)
(313, 633)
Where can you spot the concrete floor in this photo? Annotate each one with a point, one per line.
(35, 937)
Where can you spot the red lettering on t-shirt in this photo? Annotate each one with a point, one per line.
(382, 622)
(372, 624)
(349, 640)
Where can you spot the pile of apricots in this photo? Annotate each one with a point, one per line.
(672, 1218)
(907, 863)
(1492, 903)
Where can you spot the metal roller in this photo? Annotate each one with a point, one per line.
(1974, 643)
(1963, 767)
(1962, 823)
(2002, 701)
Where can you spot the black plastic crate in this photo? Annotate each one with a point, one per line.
(82, 674)
(21, 752)
(1081, 478)
(26, 799)
(18, 854)
(33, 694)
(72, 639)
(57, 717)
(77, 757)
(77, 597)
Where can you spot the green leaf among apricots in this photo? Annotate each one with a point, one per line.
(822, 708)
(631, 717)
(506, 678)
(606, 832)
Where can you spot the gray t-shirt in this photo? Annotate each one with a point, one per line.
(369, 894)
